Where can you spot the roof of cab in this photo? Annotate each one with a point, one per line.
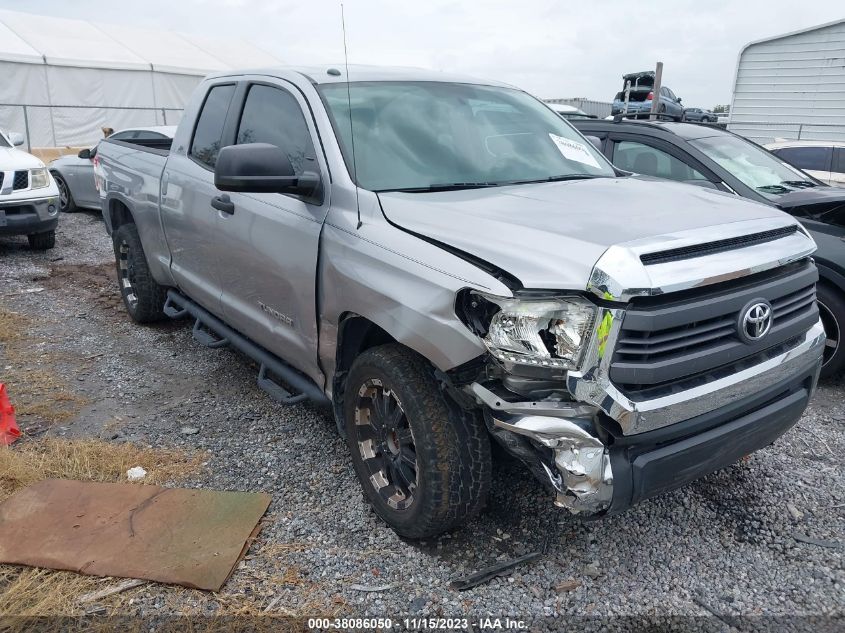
(684, 130)
(337, 73)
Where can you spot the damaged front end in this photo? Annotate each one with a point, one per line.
(558, 442)
(533, 342)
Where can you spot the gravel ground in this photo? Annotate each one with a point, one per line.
(730, 545)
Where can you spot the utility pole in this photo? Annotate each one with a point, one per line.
(627, 96)
(655, 101)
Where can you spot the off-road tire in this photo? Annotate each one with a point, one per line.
(832, 301)
(69, 206)
(452, 447)
(42, 241)
(143, 297)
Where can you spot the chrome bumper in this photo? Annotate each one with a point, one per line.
(593, 386)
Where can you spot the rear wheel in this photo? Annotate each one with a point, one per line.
(423, 464)
(42, 241)
(143, 297)
(832, 311)
(66, 202)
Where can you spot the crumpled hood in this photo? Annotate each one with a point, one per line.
(549, 235)
(12, 159)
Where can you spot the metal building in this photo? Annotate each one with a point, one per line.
(792, 86)
(598, 109)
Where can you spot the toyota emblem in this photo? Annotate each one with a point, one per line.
(756, 321)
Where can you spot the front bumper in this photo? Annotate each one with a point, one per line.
(652, 463)
(29, 216)
(587, 454)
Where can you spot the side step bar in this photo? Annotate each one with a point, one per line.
(212, 332)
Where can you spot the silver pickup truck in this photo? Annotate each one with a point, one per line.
(445, 262)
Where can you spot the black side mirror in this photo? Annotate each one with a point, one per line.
(261, 168)
(84, 153)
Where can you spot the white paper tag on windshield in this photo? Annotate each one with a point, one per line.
(573, 150)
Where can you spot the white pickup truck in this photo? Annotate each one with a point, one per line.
(29, 199)
(446, 262)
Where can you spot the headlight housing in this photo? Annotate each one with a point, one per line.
(38, 178)
(547, 332)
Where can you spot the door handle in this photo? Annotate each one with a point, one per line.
(223, 203)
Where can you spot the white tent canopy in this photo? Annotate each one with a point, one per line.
(66, 79)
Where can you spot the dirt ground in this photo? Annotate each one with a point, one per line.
(762, 539)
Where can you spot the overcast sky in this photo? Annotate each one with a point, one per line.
(550, 48)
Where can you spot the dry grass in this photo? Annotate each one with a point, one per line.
(89, 460)
(39, 592)
(34, 390)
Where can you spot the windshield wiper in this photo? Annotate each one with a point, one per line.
(456, 186)
(447, 186)
(802, 184)
(773, 189)
(560, 178)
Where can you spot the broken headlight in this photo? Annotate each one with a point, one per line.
(538, 332)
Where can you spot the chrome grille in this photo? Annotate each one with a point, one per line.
(669, 339)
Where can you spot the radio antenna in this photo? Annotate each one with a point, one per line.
(351, 127)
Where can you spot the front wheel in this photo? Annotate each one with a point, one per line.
(832, 312)
(143, 297)
(66, 203)
(424, 465)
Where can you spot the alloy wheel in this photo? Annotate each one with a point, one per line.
(64, 194)
(386, 444)
(126, 275)
(832, 330)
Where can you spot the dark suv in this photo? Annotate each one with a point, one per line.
(710, 157)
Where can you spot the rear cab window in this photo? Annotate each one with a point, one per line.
(812, 158)
(208, 133)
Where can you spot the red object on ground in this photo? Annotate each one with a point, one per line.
(9, 431)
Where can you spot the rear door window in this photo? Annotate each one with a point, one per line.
(645, 159)
(209, 131)
(812, 158)
(272, 115)
(839, 161)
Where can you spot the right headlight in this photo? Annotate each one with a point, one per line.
(38, 178)
(539, 332)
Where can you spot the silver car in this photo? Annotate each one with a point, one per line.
(74, 175)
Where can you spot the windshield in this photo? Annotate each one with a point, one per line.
(429, 135)
(753, 165)
(3, 141)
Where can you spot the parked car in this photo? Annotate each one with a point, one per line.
(569, 112)
(28, 196)
(824, 160)
(714, 158)
(699, 115)
(75, 177)
(478, 270)
(642, 95)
